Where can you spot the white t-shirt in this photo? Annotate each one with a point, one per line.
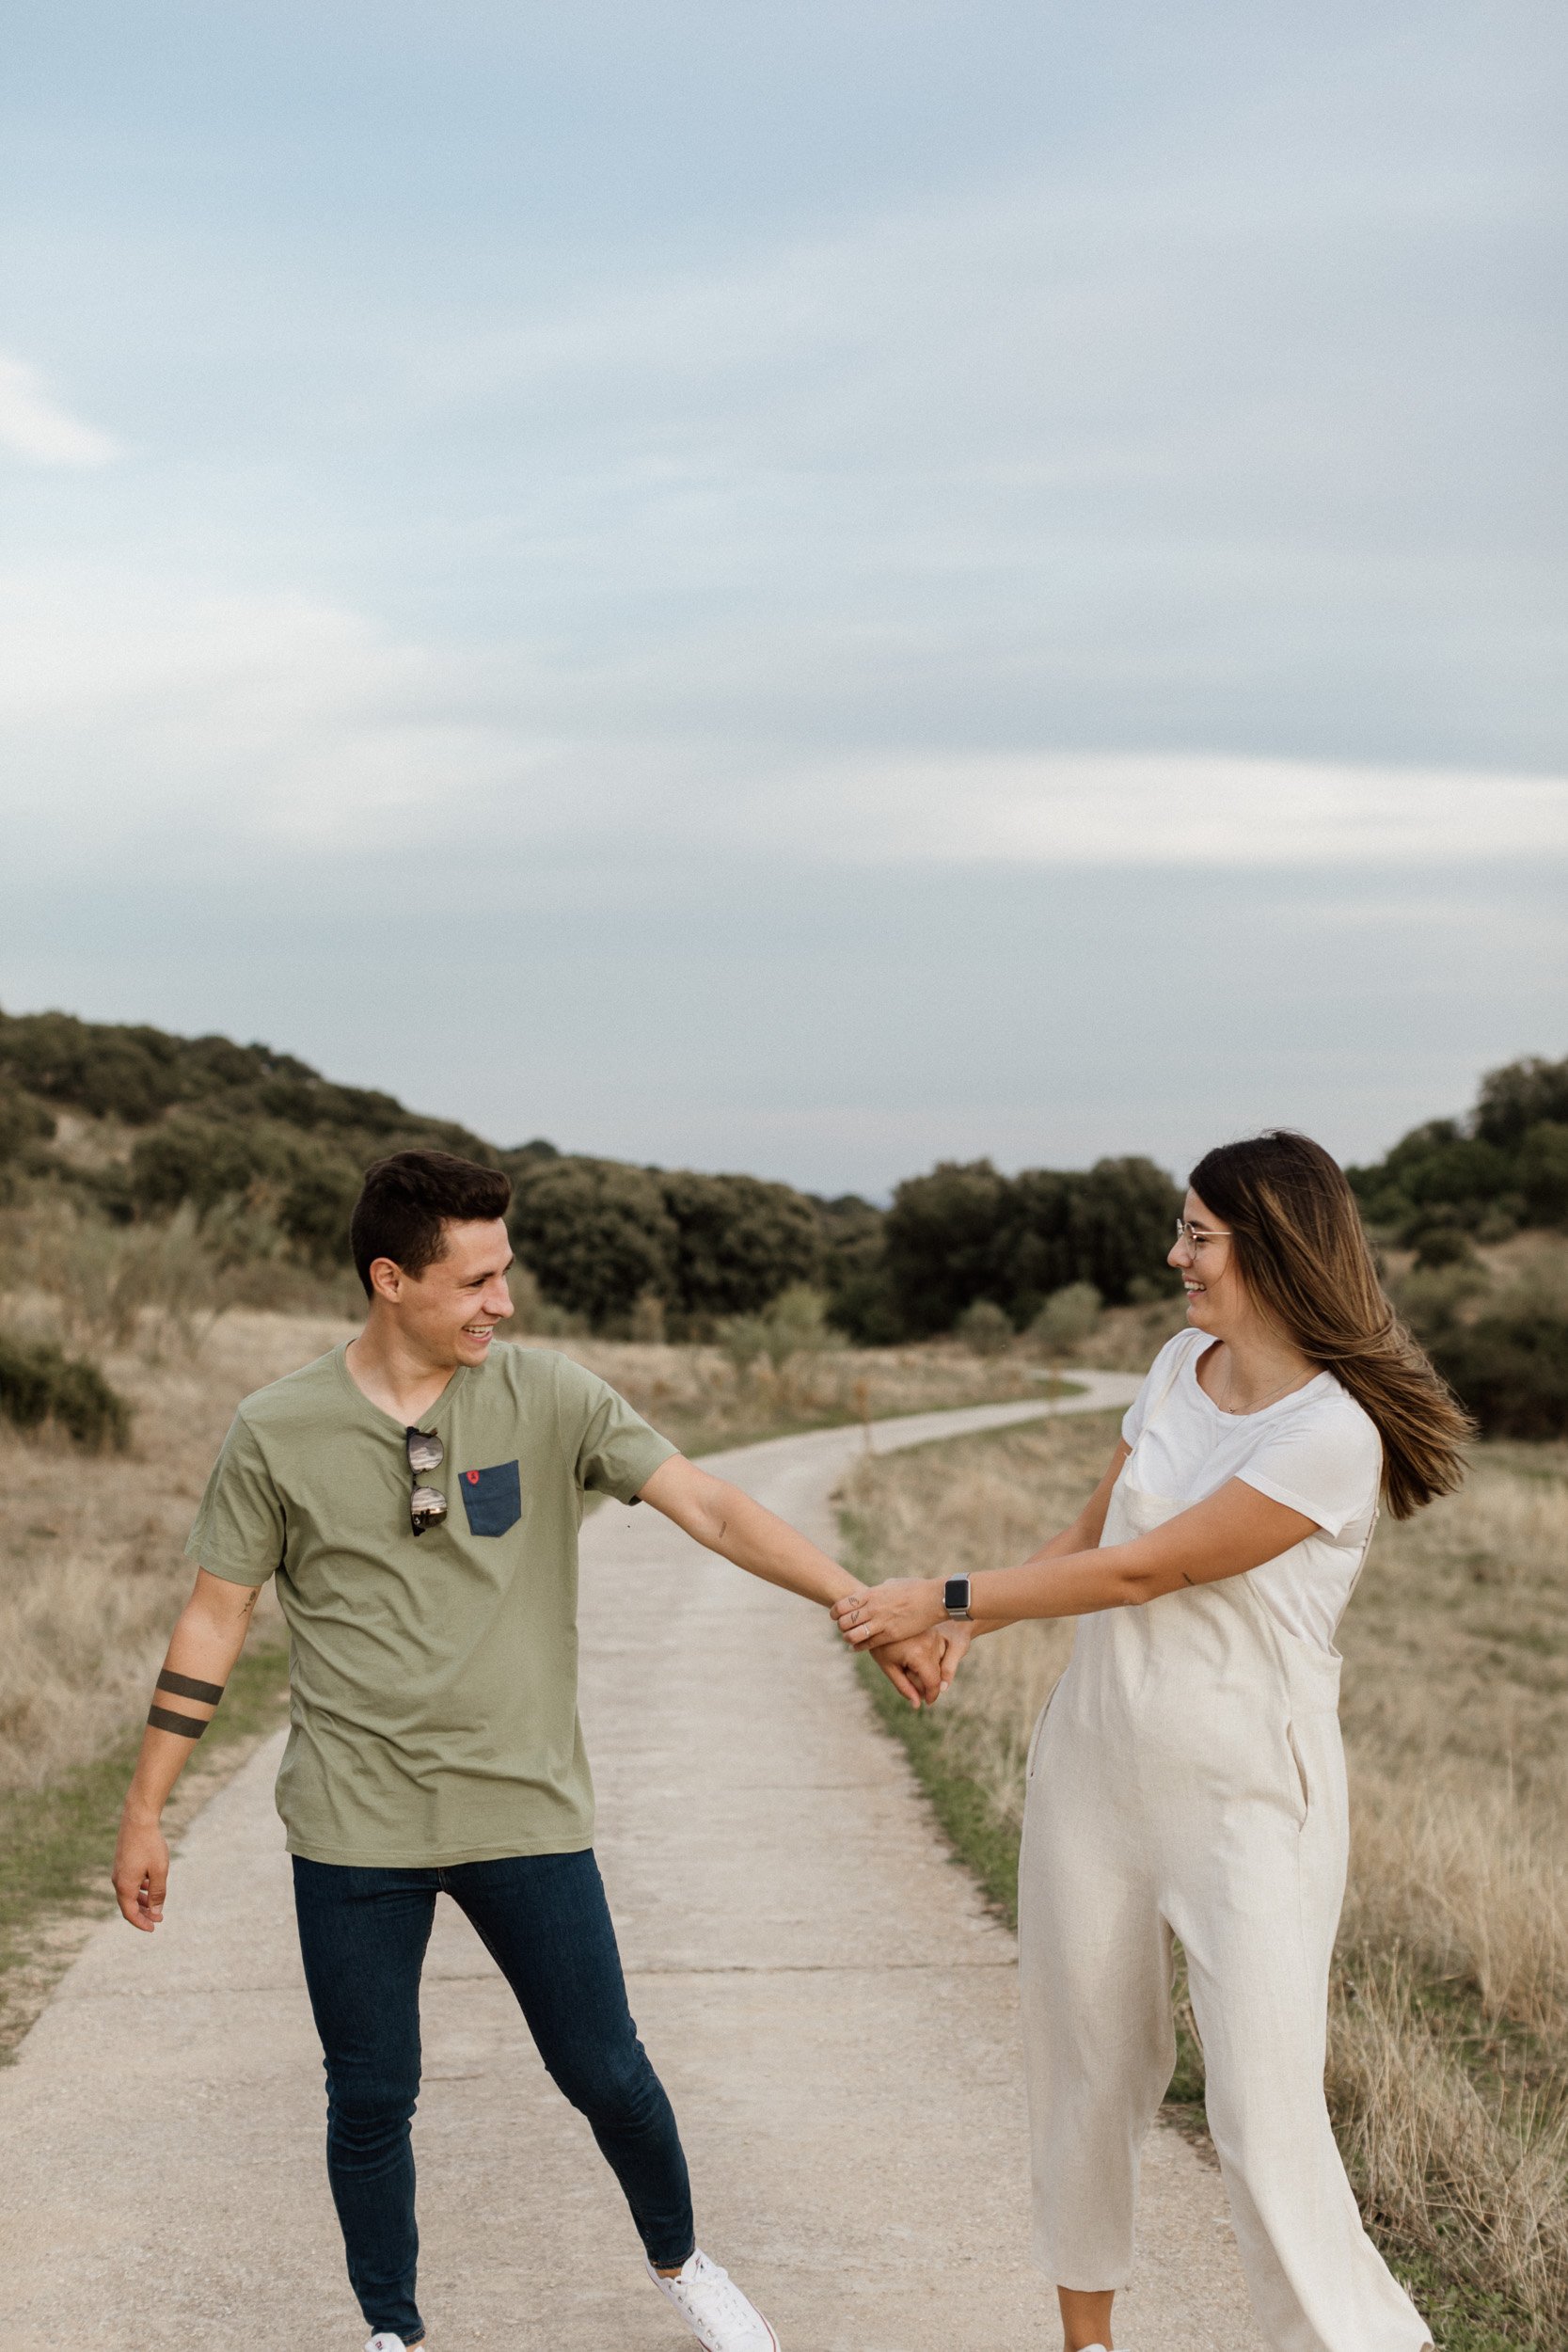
(1316, 1452)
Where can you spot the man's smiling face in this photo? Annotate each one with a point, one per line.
(449, 1313)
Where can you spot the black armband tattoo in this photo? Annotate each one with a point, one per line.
(187, 1687)
(188, 1726)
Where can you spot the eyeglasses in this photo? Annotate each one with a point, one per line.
(1194, 1235)
(427, 1506)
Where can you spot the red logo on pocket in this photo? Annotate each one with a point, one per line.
(472, 1477)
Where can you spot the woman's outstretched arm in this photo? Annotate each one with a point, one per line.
(1225, 1534)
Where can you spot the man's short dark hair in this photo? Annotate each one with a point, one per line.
(406, 1198)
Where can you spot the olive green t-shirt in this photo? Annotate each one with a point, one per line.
(433, 1679)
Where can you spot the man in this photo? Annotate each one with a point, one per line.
(417, 1493)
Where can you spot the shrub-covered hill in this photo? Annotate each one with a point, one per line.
(199, 1119)
(261, 1156)
(140, 1075)
(265, 1155)
(264, 1150)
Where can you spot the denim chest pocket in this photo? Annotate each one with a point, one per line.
(493, 1498)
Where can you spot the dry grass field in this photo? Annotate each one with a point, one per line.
(1449, 2061)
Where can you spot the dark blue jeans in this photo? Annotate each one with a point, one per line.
(545, 1924)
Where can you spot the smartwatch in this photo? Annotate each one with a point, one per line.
(954, 1598)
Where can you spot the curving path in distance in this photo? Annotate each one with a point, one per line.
(833, 2010)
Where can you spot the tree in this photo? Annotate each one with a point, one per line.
(1122, 1223)
(944, 1240)
(738, 1241)
(1496, 1169)
(965, 1232)
(1543, 1173)
(596, 1234)
(1519, 1097)
(1039, 1252)
(861, 1303)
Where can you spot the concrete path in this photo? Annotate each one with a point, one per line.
(831, 2009)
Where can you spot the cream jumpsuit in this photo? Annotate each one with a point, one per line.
(1186, 1778)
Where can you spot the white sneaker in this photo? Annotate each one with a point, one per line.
(719, 2315)
(384, 2342)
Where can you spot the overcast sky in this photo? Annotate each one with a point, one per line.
(805, 588)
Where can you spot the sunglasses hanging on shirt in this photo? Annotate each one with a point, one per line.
(427, 1506)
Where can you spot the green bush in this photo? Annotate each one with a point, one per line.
(1067, 1318)
(744, 1339)
(38, 1384)
(1433, 1298)
(23, 1121)
(986, 1328)
(1444, 1245)
(202, 1161)
(316, 1207)
(795, 1324)
(1510, 1366)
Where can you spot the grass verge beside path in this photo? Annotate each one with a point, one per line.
(58, 1841)
(1447, 2072)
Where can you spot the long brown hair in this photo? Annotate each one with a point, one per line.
(1303, 1257)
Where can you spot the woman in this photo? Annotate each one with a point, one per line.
(1186, 1777)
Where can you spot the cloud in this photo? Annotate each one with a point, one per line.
(140, 714)
(1166, 809)
(35, 428)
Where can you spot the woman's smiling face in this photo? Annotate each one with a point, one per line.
(1205, 1258)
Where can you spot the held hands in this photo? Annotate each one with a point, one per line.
(922, 1667)
(900, 1610)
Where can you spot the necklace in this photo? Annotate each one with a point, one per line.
(1296, 1381)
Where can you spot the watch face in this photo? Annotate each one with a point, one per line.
(955, 1594)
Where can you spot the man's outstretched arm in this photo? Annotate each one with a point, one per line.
(207, 1639)
(718, 1515)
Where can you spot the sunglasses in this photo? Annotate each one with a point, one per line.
(427, 1506)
